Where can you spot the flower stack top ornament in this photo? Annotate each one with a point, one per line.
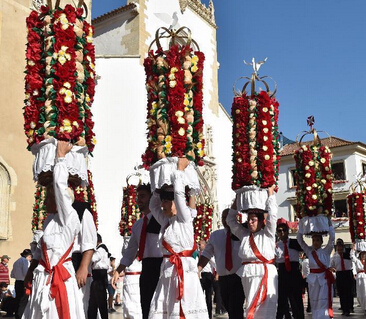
(313, 178)
(59, 86)
(174, 79)
(256, 157)
(357, 214)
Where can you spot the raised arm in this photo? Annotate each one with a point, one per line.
(300, 239)
(183, 211)
(271, 220)
(329, 247)
(155, 209)
(236, 228)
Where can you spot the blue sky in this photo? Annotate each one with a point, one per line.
(316, 53)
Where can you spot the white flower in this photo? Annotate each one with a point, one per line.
(172, 84)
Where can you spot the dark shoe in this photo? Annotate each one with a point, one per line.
(118, 304)
(308, 309)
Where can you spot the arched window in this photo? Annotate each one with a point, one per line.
(7, 181)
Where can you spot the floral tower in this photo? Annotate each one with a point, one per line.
(255, 141)
(59, 87)
(313, 177)
(357, 214)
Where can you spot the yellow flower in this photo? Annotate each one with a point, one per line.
(30, 133)
(75, 123)
(186, 109)
(154, 105)
(181, 131)
(94, 141)
(66, 122)
(186, 102)
(194, 68)
(87, 98)
(174, 69)
(168, 138)
(265, 110)
(89, 39)
(171, 76)
(201, 153)
(199, 145)
(68, 93)
(195, 59)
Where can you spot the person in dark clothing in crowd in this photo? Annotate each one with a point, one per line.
(7, 301)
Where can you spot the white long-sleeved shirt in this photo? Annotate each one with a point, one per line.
(323, 255)
(280, 252)
(100, 259)
(336, 263)
(152, 244)
(216, 246)
(265, 239)
(20, 269)
(210, 266)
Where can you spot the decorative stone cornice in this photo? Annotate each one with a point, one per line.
(132, 7)
(208, 14)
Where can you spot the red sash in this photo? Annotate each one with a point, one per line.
(328, 276)
(58, 274)
(133, 273)
(263, 286)
(175, 259)
(360, 272)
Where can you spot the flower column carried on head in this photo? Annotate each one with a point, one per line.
(174, 85)
(357, 214)
(313, 177)
(59, 84)
(255, 140)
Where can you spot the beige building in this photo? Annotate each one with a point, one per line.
(16, 180)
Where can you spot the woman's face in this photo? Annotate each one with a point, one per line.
(317, 241)
(254, 224)
(168, 208)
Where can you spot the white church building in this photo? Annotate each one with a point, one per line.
(122, 39)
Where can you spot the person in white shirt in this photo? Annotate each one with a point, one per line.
(131, 301)
(179, 292)
(19, 271)
(207, 278)
(98, 288)
(224, 246)
(320, 278)
(290, 281)
(55, 289)
(342, 264)
(360, 277)
(257, 251)
(145, 244)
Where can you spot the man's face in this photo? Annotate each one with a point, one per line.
(29, 257)
(339, 249)
(143, 200)
(5, 260)
(202, 245)
(282, 232)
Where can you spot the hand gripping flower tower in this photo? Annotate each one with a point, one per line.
(255, 142)
(313, 178)
(357, 214)
(174, 119)
(59, 87)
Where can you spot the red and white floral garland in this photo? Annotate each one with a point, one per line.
(174, 117)
(130, 212)
(39, 208)
(357, 215)
(255, 140)
(59, 77)
(313, 178)
(203, 222)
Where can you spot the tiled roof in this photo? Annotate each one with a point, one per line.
(331, 142)
(113, 13)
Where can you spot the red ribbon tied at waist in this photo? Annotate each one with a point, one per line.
(175, 259)
(328, 276)
(58, 274)
(263, 286)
